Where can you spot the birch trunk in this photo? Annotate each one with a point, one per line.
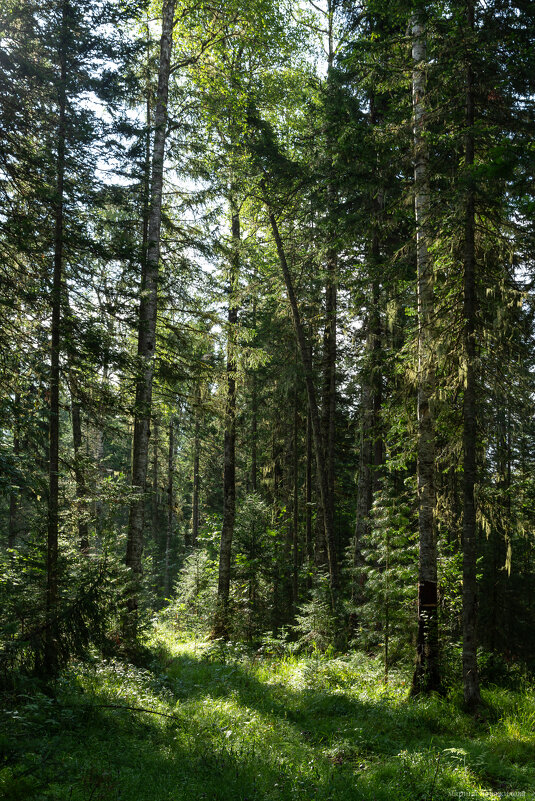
(147, 335)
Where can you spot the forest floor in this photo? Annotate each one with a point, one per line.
(215, 722)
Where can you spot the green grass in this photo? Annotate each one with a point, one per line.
(245, 728)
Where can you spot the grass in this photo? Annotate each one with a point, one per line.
(233, 726)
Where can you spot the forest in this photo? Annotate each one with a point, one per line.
(267, 398)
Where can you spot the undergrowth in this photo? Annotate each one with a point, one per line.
(218, 722)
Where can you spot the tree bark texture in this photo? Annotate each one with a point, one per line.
(470, 669)
(147, 335)
(426, 675)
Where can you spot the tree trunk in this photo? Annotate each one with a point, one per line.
(51, 644)
(328, 402)
(98, 454)
(155, 500)
(146, 176)
(470, 669)
(364, 484)
(13, 495)
(308, 490)
(170, 507)
(220, 628)
(426, 675)
(295, 506)
(254, 417)
(79, 475)
(147, 336)
(305, 354)
(196, 474)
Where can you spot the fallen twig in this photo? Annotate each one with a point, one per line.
(133, 709)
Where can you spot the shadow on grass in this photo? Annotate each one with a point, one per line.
(235, 737)
(349, 728)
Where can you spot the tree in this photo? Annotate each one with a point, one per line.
(147, 331)
(426, 674)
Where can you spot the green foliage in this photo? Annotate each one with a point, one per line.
(252, 571)
(87, 616)
(317, 625)
(387, 575)
(193, 606)
(206, 719)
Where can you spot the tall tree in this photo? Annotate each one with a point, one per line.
(470, 669)
(147, 332)
(51, 654)
(426, 675)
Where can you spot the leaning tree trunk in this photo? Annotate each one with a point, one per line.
(221, 621)
(317, 439)
(426, 675)
(147, 336)
(470, 670)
